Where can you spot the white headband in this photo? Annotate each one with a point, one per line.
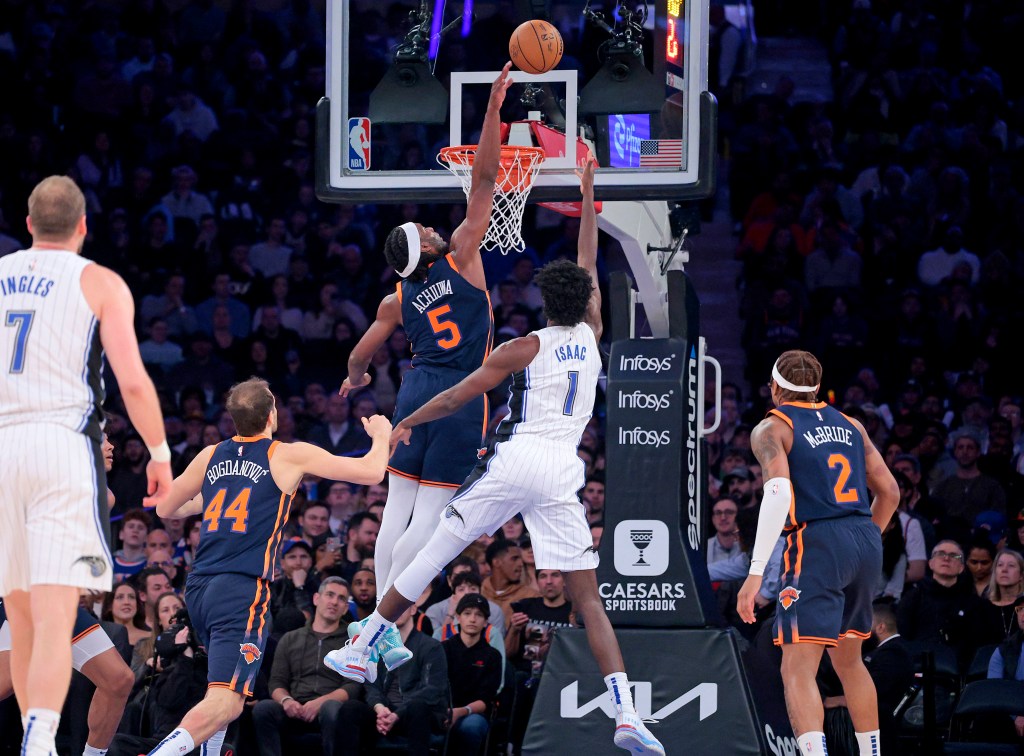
(787, 385)
(412, 235)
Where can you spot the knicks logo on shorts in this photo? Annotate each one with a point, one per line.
(451, 511)
(788, 596)
(481, 453)
(97, 565)
(250, 652)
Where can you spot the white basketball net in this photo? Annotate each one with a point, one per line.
(516, 170)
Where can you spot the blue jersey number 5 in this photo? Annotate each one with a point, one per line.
(22, 321)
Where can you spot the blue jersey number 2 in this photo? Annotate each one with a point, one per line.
(22, 321)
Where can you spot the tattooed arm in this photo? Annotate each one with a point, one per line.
(770, 442)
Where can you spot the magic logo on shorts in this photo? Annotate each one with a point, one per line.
(788, 596)
(250, 652)
(450, 511)
(97, 565)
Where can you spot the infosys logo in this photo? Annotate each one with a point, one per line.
(641, 364)
(638, 400)
(641, 437)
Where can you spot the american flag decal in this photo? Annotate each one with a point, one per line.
(661, 153)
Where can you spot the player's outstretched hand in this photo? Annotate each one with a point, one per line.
(501, 85)
(349, 385)
(585, 173)
(400, 435)
(747, 596)
(158, 486)
(377, 426)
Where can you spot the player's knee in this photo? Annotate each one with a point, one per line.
(122, 683)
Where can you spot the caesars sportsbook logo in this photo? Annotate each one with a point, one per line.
(641, 550)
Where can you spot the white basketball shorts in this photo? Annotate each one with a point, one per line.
(52, 527)
(539, 478)
(85, 646)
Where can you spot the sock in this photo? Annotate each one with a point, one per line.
(212, 746)
(374, 628)
(40, 731)
(618, 689)
(93, 751)
(177, 743)
(812, 744)
(869, 743)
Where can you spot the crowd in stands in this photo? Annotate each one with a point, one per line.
(884, 230)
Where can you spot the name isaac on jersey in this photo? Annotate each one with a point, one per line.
(26, 285)
(825, 434)
(570, 352)
(236, 467)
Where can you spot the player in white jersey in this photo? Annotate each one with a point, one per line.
(532, 468)
(59, 313)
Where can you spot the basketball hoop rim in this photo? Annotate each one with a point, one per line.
(509, 152)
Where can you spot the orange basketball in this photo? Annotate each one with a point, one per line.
(535, 47)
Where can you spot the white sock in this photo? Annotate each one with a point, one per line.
(618, 689)
(374, 628)
(212, 746)
(93, 751)
(812, 744)
(177, 743)
(869, 743)
(40, 731)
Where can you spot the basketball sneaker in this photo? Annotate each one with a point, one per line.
(632, 735)
(389, 647)
(352, 663)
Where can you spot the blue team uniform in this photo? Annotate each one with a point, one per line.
(450, 324)
(85, 623)
(833, 553)
(228, 589)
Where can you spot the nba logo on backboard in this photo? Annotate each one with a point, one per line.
(359, 144)
(641, 547)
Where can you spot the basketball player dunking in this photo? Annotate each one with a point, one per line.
(442, 303)
(59, 314)
(532, 468)
(247, 484)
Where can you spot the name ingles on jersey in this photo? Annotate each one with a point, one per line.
(431, 294)
(241, 467)
(26, 285)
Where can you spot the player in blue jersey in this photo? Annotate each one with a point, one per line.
(821, 472)
(243, 487)
(443, 305)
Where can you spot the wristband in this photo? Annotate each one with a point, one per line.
(468, 710)
(285, 700)
(160, 452)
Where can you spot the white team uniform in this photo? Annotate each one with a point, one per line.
(53, 503)
(85, 646)
(533, 467)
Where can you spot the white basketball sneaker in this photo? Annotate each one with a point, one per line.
(632, 735)
(352, 663)
(389, 647)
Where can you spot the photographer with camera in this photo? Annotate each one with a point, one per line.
(171, 673)
(306, 695)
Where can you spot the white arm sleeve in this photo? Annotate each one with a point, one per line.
(778, 495)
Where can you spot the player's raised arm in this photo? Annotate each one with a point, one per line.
(389, 317)
(301, 458)
(508, 358)
(111, 301)
(465, 242)
(586, 255)
(184, 499)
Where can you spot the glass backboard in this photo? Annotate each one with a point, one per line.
(405, 80)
